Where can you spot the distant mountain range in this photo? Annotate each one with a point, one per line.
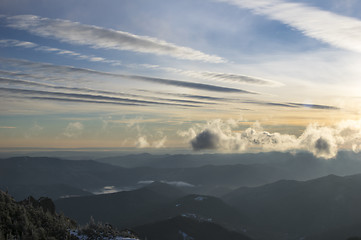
(260, 200)
(79, 177)
(308, 166)
(55, 178)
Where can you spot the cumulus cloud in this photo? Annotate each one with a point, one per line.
(322, 141)
(160, 143)
(73, 129)
(97, 37)
(142, 142)
(34, 131)
(206, 140)
(336, 30)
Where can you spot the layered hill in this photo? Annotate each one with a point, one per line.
(302, 209)
(122, 209)
(157, 202)
(56, 178)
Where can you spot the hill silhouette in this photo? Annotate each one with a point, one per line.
(301, 209)
(122, 209)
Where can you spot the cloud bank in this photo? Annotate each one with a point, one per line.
(321, 141)
(97, 37)
(336, 30)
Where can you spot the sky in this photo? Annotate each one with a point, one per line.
(203, 75)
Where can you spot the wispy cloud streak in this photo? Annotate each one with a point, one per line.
(58, 51)
(336, 30)
(214, 76)
(69, 69)
(191, 96)
(293, 105)
(16, 43)
(97, 37)
(57, 95)
(57, 99)
(12, 81)
(218, 76)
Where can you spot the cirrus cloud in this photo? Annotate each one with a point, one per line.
(331, 28)
(98, 37)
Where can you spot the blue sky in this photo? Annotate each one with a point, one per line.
(230, 75)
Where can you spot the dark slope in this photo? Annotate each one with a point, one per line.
(180, 228)
(123, 209)
(152, 203)
(201, 207)
(302, 208)
(339, 233)
(165, 190)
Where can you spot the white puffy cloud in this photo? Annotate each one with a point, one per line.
(73, 129)
(321, 141)
(142, 142)
(34, 131)
(160, 143)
